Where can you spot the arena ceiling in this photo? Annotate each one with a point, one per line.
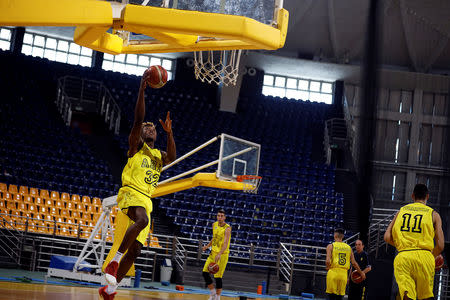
(415, 36)
(415, 32)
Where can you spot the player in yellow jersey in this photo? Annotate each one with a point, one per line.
(219, 254)
(339, 257)
(139, 179)
(416, 232)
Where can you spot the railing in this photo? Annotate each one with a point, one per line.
(179, 254)
(88, 95)
(177, 248)
(379, 214)
(375, 236)
(64, 104)
(10, 240)
(285, 264)
(442, 285)
(303, 259)
(110, 110)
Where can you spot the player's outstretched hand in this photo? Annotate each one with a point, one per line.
(217, 258)
(363, 275)
(144, 79)
(167, 125)
(204, 248)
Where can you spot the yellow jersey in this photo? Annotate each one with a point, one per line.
(142, 170)
(340, 256)
(413, 229)
(218, 237)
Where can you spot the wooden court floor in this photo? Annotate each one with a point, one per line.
(28, 291)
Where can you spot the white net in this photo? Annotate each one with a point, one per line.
(251, 183)
(217, 66)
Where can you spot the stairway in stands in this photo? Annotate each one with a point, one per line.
(346, 183)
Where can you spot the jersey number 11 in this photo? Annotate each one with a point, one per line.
(417, 223)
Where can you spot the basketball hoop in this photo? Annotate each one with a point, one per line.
(251, 183)
(217, 66)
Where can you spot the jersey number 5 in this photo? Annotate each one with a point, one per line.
(342, 259)
(417, 223)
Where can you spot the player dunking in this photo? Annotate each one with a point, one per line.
(139, 179)
(219, 254)
(339, 256)
(416, 232)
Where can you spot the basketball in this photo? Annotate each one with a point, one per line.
(157, 77)
(439, 262)
(356, 278)
(213, 268)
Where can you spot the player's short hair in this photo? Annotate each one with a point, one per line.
(339, 231)
(420, 191)
(362, 242)
(145, 124)
(221, 211)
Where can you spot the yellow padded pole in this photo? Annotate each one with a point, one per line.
(122, 222)
(107, 42)
(283, 20)
(85, 35)
(199, 179)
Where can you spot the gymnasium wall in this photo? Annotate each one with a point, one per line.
(412, 143)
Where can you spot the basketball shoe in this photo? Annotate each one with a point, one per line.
(111, 272)
(102, 292)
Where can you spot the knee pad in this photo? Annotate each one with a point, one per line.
(218, 283)
(207, 278)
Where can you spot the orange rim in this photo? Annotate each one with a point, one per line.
(241, 178)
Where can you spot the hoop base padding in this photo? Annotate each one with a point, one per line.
(199, 179)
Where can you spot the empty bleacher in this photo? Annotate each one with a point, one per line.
(296, 203)
(48, 212)
(36, 148)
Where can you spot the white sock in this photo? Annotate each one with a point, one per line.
(217, 297)
(111, 289)
(213, 291)
(118, 256)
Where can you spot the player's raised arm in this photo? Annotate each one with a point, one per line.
(134, 139)
(171, 154)
(388, 234)
(438, 234)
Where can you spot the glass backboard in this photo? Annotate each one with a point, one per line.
(260, 10)
(237, 157)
